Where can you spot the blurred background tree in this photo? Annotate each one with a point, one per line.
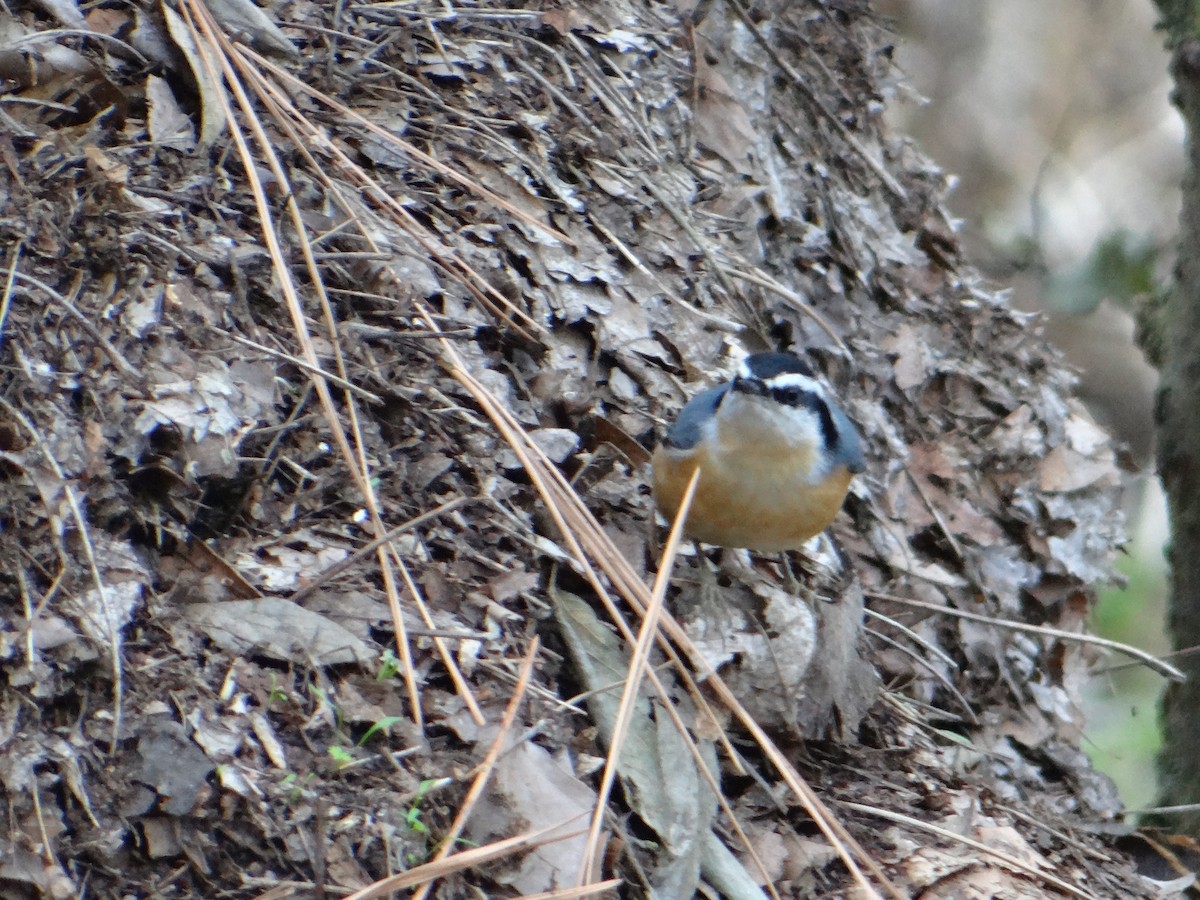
(1057, 120)
(1169, 335)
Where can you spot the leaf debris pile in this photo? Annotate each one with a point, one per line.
(226, 678)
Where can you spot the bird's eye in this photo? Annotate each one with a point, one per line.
(789, 396)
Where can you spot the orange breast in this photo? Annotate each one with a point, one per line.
(760, 500)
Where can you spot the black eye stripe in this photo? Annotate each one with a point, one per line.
(829, 432)
(792, 396)
(788, 394)
(798, 397)
(751, 386)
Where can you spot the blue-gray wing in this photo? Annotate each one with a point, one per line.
(846, 450)
(688, 428)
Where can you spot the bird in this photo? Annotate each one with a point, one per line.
(776, 458)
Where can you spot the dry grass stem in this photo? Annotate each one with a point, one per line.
(484, 770)
(565, 505)
(1151, 661)
(633, 679)
(1007, 858)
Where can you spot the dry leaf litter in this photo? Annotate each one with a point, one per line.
(599, 206)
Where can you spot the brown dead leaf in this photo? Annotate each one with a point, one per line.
(212, 112)
(914, 359)
(1019, 434)
(530, 789)
(981, 883)
(171, 763)
(288, 561)
(1084, 435)
(929, 459)
(167, 124)
(278, 629)
(160, 835)
(772, 852)
(106, 167)
(1064, 470)
(929, 865)
(841, 685)
(722, 123)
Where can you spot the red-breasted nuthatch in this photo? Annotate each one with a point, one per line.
(775, 457)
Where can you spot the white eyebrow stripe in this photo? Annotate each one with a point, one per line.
(795, 379)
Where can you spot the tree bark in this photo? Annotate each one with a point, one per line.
(1171, 341)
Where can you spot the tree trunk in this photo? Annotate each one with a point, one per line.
(1173, 342)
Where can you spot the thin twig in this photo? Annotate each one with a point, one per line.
(926, 664)
(85, 539)
(484, 770)
(561, 500)
(1162, 668)
(763, 280)
(476, 856)
(315, 371)
(811, 96)
(206, 33)
(324, 577)
(14, 262)
(84, 322)
(1007, 858)
(633, 679)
